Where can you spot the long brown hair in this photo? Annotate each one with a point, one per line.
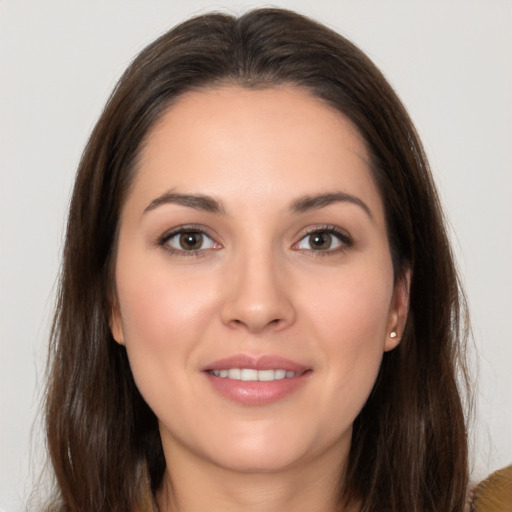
(409, 446)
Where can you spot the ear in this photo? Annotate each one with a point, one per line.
(116, 325)
(398, 311)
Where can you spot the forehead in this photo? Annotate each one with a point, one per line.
(257, 143)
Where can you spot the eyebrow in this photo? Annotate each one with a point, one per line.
(195, 201)
(315, 202)
(301, 205)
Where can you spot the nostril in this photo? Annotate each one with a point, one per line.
(237, 323)
(254, 325)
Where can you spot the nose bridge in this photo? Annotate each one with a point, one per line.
(257, 297)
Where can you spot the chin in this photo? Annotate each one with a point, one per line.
(258, 461)
(278, 450)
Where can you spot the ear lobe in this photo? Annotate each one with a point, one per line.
(399, 310)
(116, 325)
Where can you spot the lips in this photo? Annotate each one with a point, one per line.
(251, 380)
(264, 362)
(252, 375)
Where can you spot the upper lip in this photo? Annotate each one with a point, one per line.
(261, 362)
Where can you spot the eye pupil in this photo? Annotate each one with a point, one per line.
(320, 240)
(191, 241)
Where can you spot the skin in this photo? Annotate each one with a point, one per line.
(256, 285)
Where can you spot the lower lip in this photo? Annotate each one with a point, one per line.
(256, 392)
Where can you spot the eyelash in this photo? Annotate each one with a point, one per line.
(163, 241)
(343, 238)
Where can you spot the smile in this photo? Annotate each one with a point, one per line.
(252, 375)
(256, 380)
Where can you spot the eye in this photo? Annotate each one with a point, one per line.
(323, 240)
(188, 240)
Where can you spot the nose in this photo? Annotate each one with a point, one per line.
(258, 296)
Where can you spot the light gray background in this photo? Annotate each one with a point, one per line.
(451, 63)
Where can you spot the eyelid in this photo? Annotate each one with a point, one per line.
(342, 235)
(344, 238)
(187, 228)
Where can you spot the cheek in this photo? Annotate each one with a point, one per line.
(157, 304)
(351, 320)
(162, 317)
(353, 308)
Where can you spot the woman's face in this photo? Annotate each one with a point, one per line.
(255, 287)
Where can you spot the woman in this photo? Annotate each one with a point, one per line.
(259, 308)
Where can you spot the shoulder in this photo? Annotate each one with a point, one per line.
(494, 494)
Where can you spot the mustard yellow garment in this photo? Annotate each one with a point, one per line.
(494, 494)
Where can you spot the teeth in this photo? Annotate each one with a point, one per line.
(234, 373)
(251, 375)
(280, 374)
(266, 375)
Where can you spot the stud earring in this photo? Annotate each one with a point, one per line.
(392, 334)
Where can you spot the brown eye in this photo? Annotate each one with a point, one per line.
(320, 241)
(188, 241)
(191, 241)
(324, 240)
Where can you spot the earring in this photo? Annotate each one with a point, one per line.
(392, 334)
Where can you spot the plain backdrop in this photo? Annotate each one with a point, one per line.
(451, 63)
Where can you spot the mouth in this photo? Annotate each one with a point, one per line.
(252, 375)
(256, 380)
